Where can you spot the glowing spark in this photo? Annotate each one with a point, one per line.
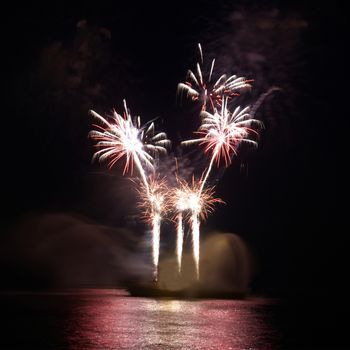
(200, 51)
(198, 89)
(124, 138)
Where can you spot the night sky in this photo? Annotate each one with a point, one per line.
(62, 60)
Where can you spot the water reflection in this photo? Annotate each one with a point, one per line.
(110, 320)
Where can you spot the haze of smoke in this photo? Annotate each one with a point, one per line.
(226, 266)
(65, 250)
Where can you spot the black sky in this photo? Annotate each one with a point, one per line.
(62, 60)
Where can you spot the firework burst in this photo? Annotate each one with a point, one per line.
(205, 91)
(155, 200)
(188, 197)
(222, 132)
(123, 137)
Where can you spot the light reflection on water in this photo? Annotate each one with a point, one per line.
(111, 320)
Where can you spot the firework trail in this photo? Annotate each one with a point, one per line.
(196, 202)
(125, 138)
(262, 98)
(156, 220)
(195, 239)
(179, 240)
(204, 91)
(154, 205)
(180, 202)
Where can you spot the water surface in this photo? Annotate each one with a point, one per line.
(111, 319)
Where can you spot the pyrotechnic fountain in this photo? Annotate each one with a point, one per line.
(220, 133)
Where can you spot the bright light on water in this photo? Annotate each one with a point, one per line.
(110, 319)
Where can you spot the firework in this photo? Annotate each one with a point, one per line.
(123, 137)
(197, 203)
(222, 132)
(204, 91)
(154, 205)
